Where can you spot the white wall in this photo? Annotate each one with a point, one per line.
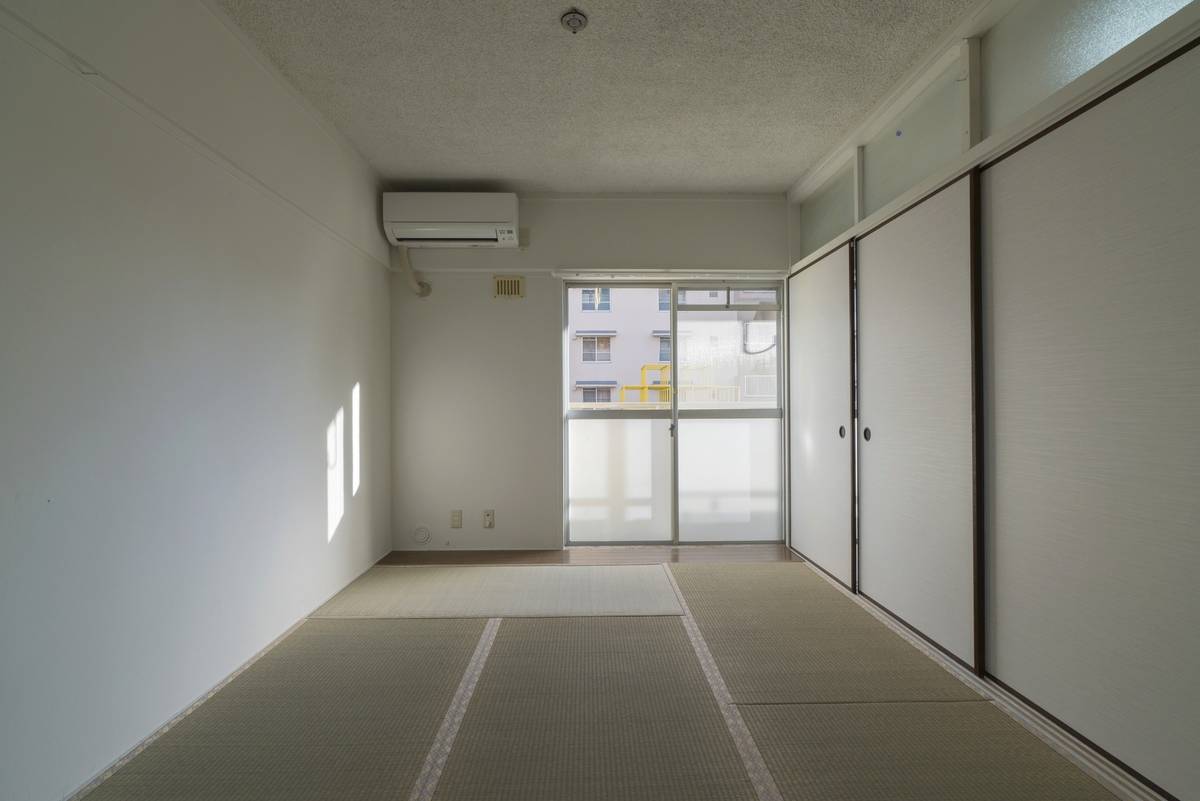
(667, 232)
(176, 333)
(478, 381)
(477, 399)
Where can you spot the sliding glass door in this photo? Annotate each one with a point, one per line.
(673, 413)
(618, 413)
(728, 413)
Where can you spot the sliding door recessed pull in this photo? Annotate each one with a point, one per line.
(842, 432)
(867, 434)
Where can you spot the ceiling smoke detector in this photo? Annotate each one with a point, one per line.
(574, 20)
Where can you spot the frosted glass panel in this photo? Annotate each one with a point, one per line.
(728, 359)
(1040, 47)
(620, 480)
(926, 136)
(714, 296)
(729, 479)
(826, 214)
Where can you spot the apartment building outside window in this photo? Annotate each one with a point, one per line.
(725, 347)
(597, 349)
(599, 299)
(597, 395)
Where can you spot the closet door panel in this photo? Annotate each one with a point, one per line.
(820, 428)
(1092, 354)
(916, 471)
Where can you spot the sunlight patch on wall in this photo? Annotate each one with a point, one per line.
(355, 451)
(335, 473)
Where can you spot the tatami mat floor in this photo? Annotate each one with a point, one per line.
(395, 591)
(770, 686)
(782, 634)
(343, 709)
(593, 709)
(911, 751)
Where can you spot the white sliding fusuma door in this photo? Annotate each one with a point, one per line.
(1091, 264)
(820, 424)
(915, 457)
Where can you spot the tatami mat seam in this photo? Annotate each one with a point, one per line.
(756, 767)
(439, 752)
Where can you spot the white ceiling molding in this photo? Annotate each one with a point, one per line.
(940, 57)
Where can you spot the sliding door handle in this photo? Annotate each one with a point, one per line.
(867, 434)
(842, 432)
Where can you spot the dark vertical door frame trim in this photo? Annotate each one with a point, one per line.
(786, 492)
(853, 427)
(977, 423)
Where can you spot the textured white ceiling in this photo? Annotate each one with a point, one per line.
(654, 96)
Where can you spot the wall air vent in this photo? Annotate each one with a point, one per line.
(508, 286)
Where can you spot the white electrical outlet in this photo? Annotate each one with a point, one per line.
(489, 518)
(456, 518)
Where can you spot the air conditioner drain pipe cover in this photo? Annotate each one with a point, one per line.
(400, 264)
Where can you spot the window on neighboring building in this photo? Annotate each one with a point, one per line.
(597, 395)
(664, 300)
(599, 299)
(664, 349)
(597, 349)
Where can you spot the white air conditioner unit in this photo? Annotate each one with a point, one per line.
(450, 219)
